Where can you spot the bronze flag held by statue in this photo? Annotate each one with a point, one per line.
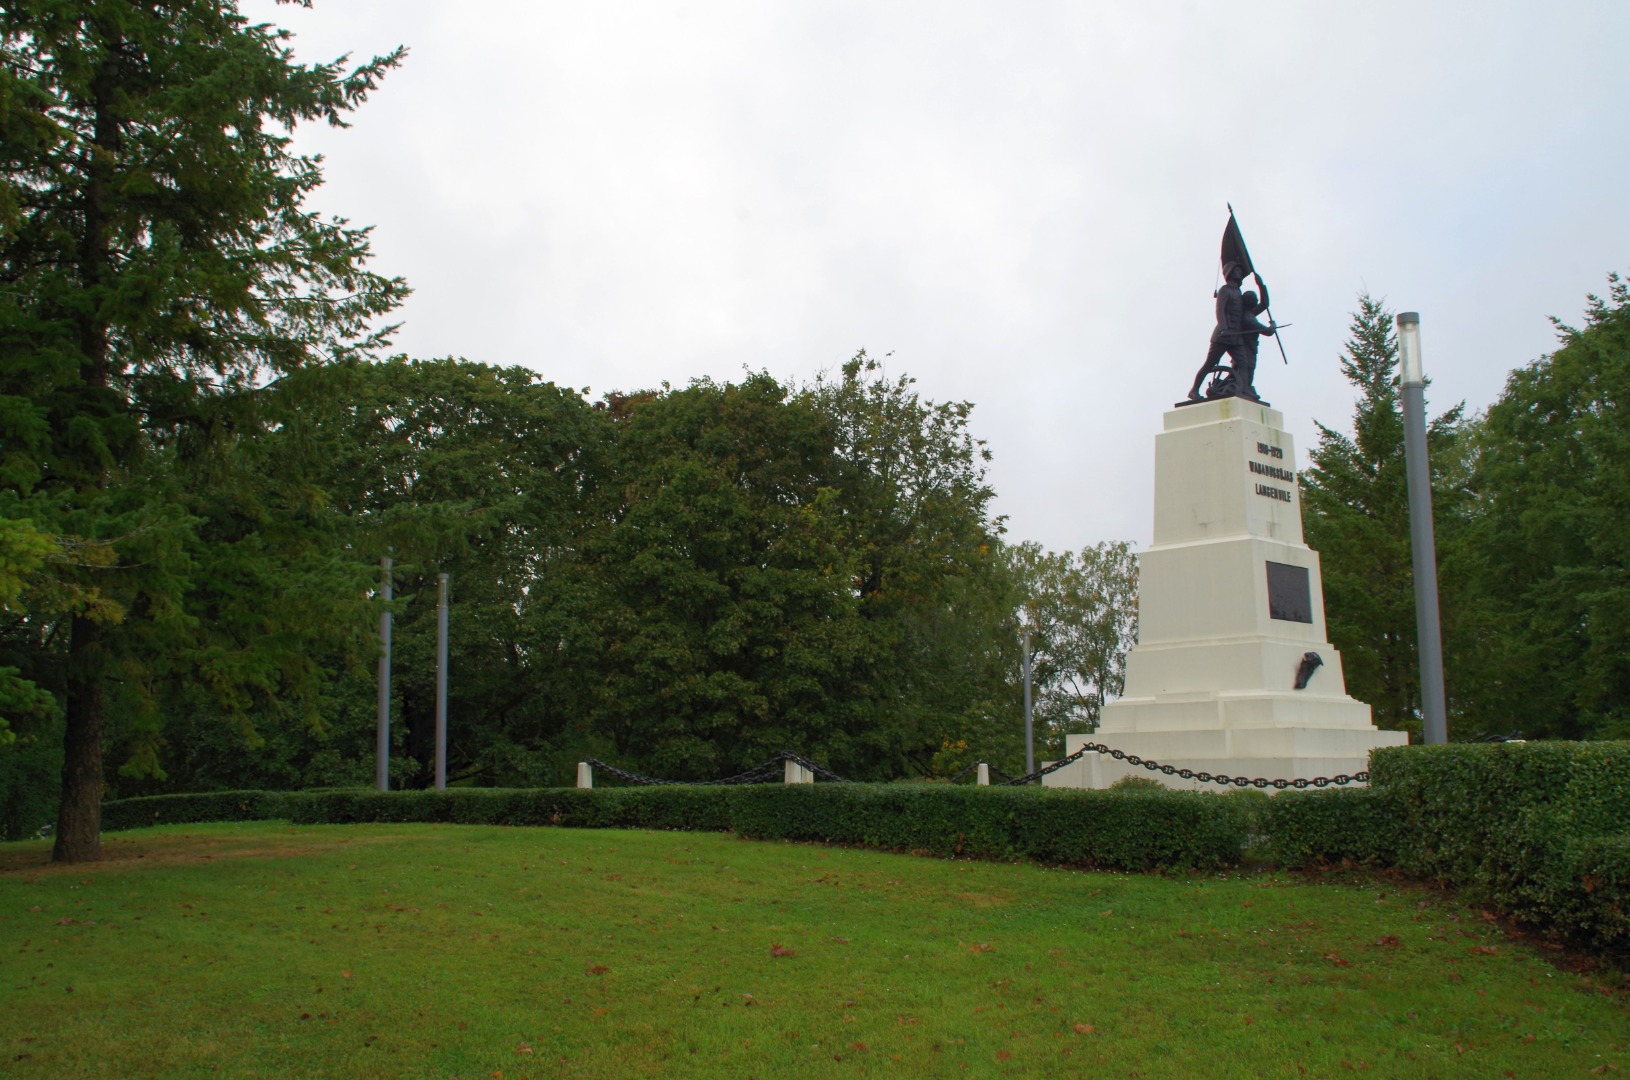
(1237, 332)
(1233, 247)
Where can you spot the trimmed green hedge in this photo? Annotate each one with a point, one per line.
(1133, 830)
(1538, 830)
(1310, 828)
(30, 783)
(199, 806)
(677, 807)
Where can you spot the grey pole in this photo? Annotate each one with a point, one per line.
(441, 681)
(1423, 548)
(382, 734)
(1029, 736)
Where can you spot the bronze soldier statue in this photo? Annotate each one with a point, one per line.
(1237, 334)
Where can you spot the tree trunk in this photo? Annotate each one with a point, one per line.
(79, 815)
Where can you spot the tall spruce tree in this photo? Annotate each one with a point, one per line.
(1356, 515)
(156, 258)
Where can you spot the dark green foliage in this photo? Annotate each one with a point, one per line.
(1310, 828)
(1142, 830)
(451, 466)
(1554, 475)
(30, 782)
(1108, 830)
(1540, 831)
(1356, 515)
(1534, 829)
(679, 807)
(938, 819)
(159, 263)
(935, 598)
(200, 806)
(1081, 610)
(716, 607)
(1135, 830)
(1594, 881)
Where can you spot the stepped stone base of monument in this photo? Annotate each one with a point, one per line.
(1229, 603)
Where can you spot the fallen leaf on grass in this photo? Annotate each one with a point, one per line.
(1485, 950)
(597, 969)
(346, 974)
(524, 1048)
(1002, 1055)
(982, 948)
(1336, 959)
(781, 950)
(1388, 941)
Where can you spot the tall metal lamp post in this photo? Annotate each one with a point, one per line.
(382, 727)
(1422, 546)
(1029, 730)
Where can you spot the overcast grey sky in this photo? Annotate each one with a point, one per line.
(1022, 202)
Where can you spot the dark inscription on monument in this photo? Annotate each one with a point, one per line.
(1273, 472)
(1268, 491)
(1290, 595)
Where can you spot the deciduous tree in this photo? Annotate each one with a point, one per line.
(1553, 471)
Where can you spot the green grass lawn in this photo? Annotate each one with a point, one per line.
(432, 950)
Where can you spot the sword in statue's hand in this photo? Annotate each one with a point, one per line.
(1281, 344)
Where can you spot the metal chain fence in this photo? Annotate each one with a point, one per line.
(764, 773)
(771, 770)
(1189, 774)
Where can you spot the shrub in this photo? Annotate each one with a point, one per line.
(1537, 830)
(1134, 830)
(1467, 812)
(198, 806)
(30, 783)
(1307, 828)
(1130, 830)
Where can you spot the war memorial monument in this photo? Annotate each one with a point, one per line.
(1232, 674)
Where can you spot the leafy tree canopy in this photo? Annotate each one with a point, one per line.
(1554, 472)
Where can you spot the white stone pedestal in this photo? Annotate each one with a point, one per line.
(1229, 600)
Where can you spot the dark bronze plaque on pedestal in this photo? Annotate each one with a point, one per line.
(1290, 597)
